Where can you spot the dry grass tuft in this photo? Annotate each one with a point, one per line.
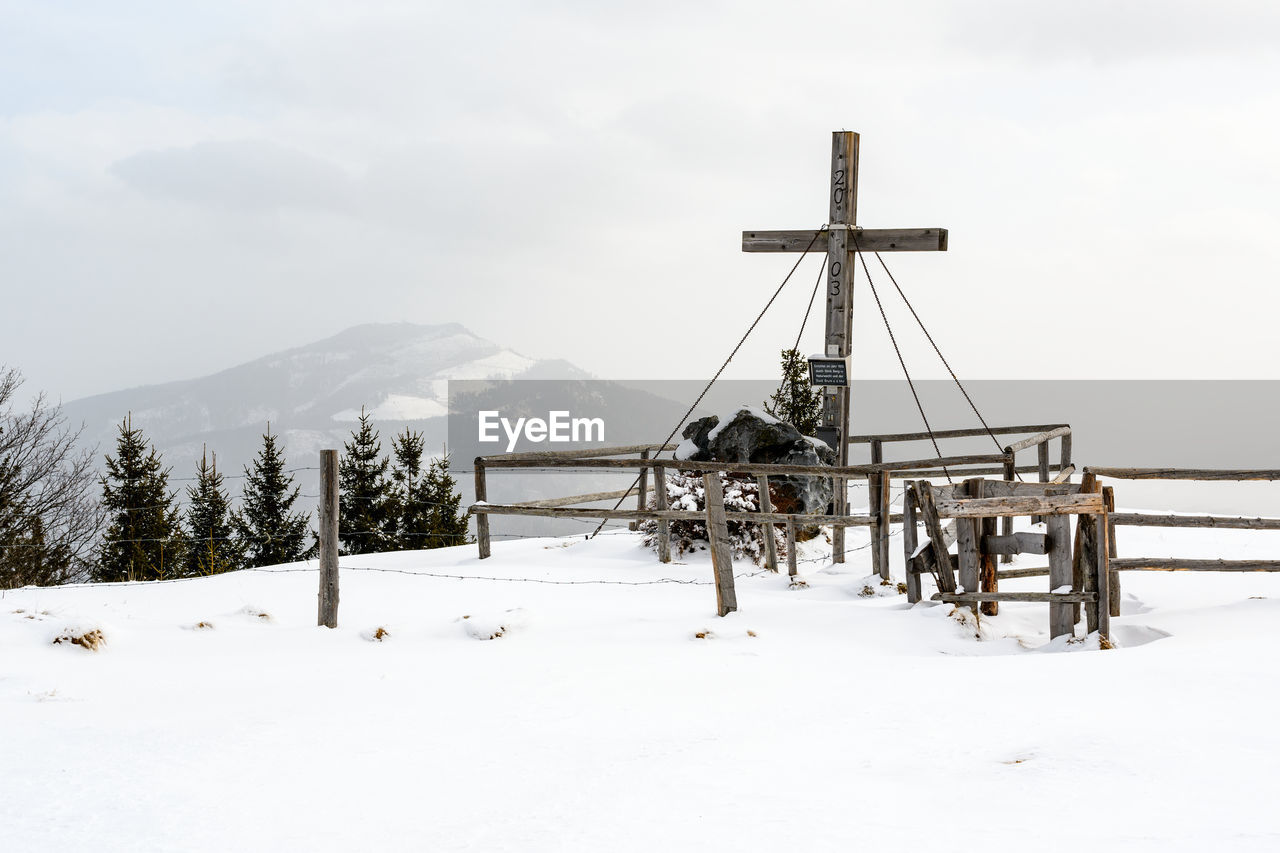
(798, 583)
(752, 634)
(902, 588)
(867, 592)
(1104, 643)
(91, 640)
(379, 633)
(705, 635)
(203, 626)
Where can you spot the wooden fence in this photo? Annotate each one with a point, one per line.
(1078, 575)
(1177, 564)
(878, 474)
(1040, 437)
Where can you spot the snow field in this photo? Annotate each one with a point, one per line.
(598, 720)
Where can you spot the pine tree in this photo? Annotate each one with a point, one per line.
(268, 531)
(410, 507)
(448, 523)
(211, 547)
(796, 401)
(144, 537)
(366, 499)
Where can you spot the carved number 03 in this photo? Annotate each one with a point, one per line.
(835, 277)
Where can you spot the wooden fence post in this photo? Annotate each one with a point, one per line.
(642, 496)
(791, 547)
(1006, 523)
(660, 502)
(1104, 575)
(873, 509)
(1113, 586)
(482, 519)
(1042, 460)
(721, 551)
(886, 507)
(968, 544)
(1061, 616)
(937, 542)
(766, 505)
(910, 542)
(1064, 460)
(327, 614)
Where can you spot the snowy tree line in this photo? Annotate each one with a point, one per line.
(60, 521)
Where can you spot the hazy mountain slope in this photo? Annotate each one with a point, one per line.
(311, 395)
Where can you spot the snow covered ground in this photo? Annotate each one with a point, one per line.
(216, 716)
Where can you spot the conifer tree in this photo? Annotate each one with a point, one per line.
(796, 401)
(366, 499)
(211, 546)
(144, 537)
(268, 531)
(448, 522)
(410, 504)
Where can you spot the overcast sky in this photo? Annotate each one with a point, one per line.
(185, 186)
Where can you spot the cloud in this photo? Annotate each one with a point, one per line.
(242, 175)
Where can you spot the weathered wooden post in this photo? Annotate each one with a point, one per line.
(664, 525)
(910, 543)
(791, 547)
(937, 540)
(766, 505)
(886, 507)
(721, 552)
(482, 519)
(988, 578)
(1104, 574)
(1113, 578)
(1006, 523)
(873, 508)
(968, 544)
(642, 495)
(1064, 461)
(1061, 616)
(328, 535)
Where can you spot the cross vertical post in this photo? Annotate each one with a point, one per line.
(839, 326)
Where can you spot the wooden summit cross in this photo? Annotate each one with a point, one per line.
(841, 251)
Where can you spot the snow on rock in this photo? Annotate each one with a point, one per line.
(494, 625)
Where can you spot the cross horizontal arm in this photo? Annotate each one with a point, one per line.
(868, 239)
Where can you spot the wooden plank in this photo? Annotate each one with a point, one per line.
(869, 240)
(1042, 460)
(721, 551)
(1012, 574)
(1064, 474)
(1034, 597)
(939, 462)
(967, 554)
(580, 499)
(1230, 522)
(671, 514)
(327, 609)
(1020, 505)
(1187, 473)
(1022, 542)
(585, 453)
(791, 548)
(953, 433)
(1176, 564)
(750, 469)
(909, 543)
(1006, 523)
(1080, 577)
(642, 497)
(482, 520)
(1064, 458)
(873, 509)
(766, 505)
(1039, 438)
(1103, 585)
(1061, 616)
(1003, 488)
(660, 503)
(1113, 578)
(885, 517)
(988, 579)
(933, 527)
